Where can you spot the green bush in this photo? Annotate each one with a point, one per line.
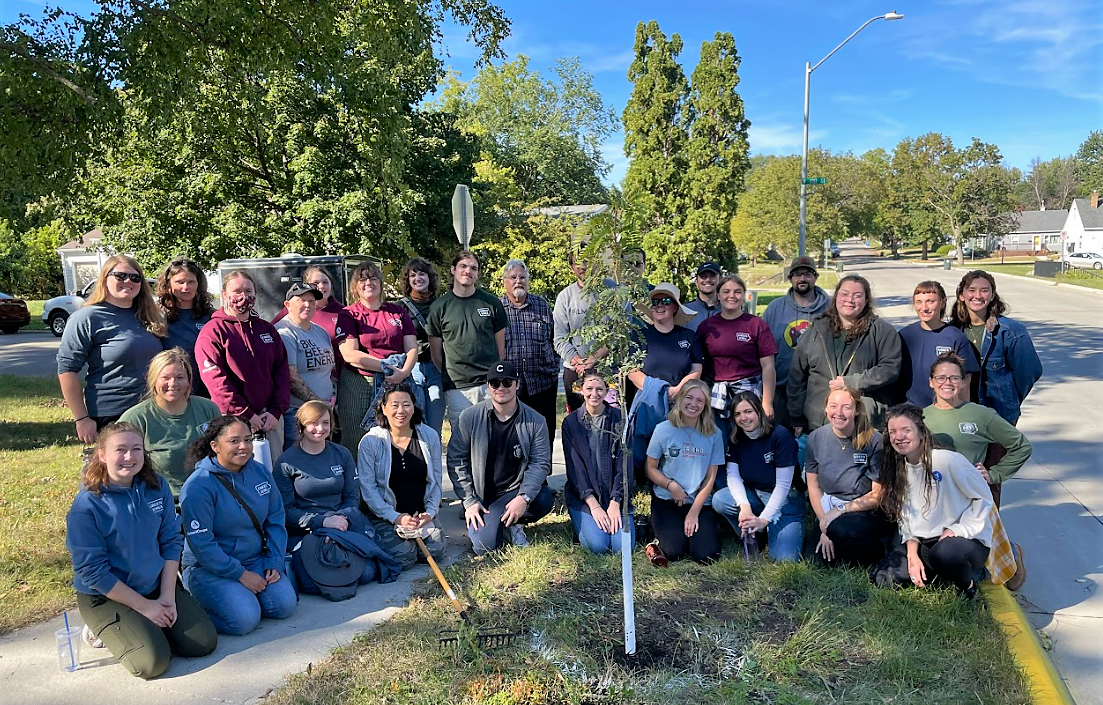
(944, 250)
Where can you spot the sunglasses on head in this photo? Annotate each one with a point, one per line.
(123, 276)
(499, 383)
(662, 301)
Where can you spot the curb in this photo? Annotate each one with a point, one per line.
(1046, 685)
(1020, 277)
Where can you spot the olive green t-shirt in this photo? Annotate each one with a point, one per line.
(971, 428)
(466, 327)
(167, 437)
(975, 334)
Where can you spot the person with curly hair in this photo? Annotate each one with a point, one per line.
(182, 294)
(420, 285)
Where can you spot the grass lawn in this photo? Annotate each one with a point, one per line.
(36, 315)
(726, 633)
(1075, 277)
(41, 459)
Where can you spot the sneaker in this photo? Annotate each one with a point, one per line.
(517, 536)
(1016, 581)
(970, 593)
(90, 638)
(655, 554)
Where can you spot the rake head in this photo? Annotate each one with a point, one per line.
(493, 638)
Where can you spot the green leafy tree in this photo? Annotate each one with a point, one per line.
(902, 217)
(1089, 163)
(716, 154)
(656, 132)
(1049, 185)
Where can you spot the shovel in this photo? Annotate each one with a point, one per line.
(484, 638)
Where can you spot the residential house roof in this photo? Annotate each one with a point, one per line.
(1091, 217)
(584, 211)
(86, 241)
(1040, 221)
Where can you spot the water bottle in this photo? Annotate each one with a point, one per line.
(262, 451)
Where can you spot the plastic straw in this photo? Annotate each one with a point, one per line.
(69, 641)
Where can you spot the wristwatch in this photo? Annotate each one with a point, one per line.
(528, 500)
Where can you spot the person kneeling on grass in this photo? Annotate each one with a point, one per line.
(941, 504)
(682, 459)
(401, 476)
(123, 534)
(760, 492)
(592, 453)
(500, 455)
(234, 524)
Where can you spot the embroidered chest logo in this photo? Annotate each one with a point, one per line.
(158, 505)
(968, 427)
(199, 326)
(683, 344)
(484, 312)
(266, 337)
(395, 322)
(768, 457)
(264, 488)
(517, 452)
(860, 458)
(942, 349)
(337, 331)
(743, 337)
(337, 470)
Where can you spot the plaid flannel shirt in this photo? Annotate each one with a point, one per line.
(529, 343)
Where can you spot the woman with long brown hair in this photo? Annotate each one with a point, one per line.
(940, 503)
(182, 294)
(849, 346)
(420, 285)
(124, 537)
(114, 335)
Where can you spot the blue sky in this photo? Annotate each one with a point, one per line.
(1026, 75)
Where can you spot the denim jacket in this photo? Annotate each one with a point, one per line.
(1009, 368)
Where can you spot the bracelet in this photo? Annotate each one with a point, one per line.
(82, 418)
(668, 483)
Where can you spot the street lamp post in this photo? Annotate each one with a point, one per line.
(808, 69)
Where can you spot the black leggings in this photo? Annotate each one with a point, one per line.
(860, 537)
(954, 559)
(668, 521)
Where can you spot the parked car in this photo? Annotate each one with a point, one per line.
(834, 247)
(969, 252)
(14, 313)
(58, 309)
(1084, 260)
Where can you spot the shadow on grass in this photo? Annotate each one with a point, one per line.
(25, 389)
(33, 435)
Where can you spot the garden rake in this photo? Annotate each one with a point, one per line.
(491, 638)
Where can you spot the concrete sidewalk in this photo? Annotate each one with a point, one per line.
(243, 669)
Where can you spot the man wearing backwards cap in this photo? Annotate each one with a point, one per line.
(788, 317)
(705, 305)
(309, 355)
(500, 455)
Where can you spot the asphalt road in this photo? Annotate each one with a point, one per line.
(1054, 506)
(29, 353)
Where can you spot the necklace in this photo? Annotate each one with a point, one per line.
(842, 440)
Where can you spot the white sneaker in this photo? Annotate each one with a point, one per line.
(517, 536)
(90, 638)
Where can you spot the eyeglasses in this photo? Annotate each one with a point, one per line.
(499, 383)
(662, 301)
(124, 276)
(943, 379)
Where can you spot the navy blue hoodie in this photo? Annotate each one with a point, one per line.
(122, 534)
(221, 537)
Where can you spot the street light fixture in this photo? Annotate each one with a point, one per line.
(808, 69)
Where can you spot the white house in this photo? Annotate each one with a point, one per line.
(82, 259)
(1035, 231)
(1083, 231)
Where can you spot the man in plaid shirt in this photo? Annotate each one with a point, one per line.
(529, 343)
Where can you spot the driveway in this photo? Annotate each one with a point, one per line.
(1054, 506)
(29, 353)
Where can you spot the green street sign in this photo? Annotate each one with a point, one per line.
(816, 180)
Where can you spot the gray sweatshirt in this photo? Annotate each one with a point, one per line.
(788, 320)
(568, 317)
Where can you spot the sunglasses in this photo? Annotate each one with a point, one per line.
(499, 383)
(123, 276)
(662, 301)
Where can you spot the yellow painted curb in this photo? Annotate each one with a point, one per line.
(1045, 682)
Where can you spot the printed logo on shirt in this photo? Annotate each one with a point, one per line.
(337, 469)
(202, 428)
(195, 528)
(684, 344)
(942, 350)
(199, 326)
(208, 365)
(395, 322)
(266, 337)
(264, 488)
(860, 458)
(937, 476)
(794, 331)
(968, 427)
(517, 451)
(157, 505)
(484, 312)
(337, 331)
(768, 457)
(743, 337)
(674, 451)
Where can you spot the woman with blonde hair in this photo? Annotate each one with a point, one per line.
(682, 459)
(842, 466)
(123, 534)
(171, 418)
(114, 336)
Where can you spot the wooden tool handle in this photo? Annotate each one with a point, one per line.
(443, 581)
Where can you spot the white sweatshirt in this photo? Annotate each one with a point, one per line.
(960, 501)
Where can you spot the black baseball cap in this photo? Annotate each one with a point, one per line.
(708, 267)
(501, 370)
(803, 262)
(299, 289)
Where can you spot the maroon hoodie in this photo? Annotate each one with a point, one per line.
(244, 365)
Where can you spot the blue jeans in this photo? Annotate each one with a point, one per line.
(786, 535)
(490, 535)
(290, 429)
(592, 538)
(428, 376)
(232, 607)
